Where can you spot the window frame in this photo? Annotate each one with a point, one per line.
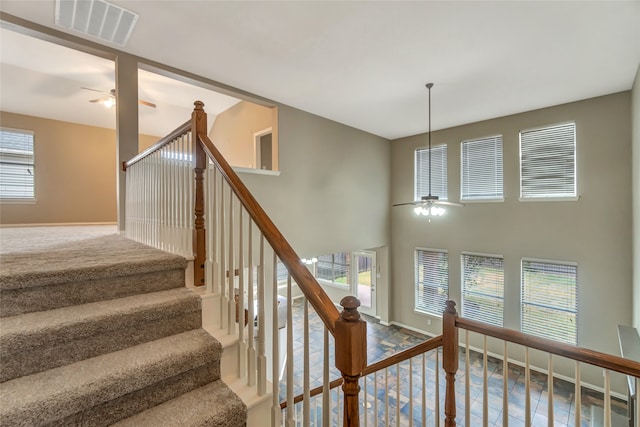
(482, 199)
(549, 198)
(462, 286)
(32, 198)
(431, 311)
(314, 270)
(549, 307)
(443, 175)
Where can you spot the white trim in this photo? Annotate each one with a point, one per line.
(27, 201)
(481, 254)
(552, 125)
(239, 169)
(58, 224)
(549, 261)
(495, 200)
(549, 199)
(411, 328)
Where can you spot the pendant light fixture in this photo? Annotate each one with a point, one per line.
(430, 205)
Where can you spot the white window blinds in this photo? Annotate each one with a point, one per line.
(549, 300)
(548, 162)
(438, 172)
(483, 288)
(17, 170)
(432, 281)
(481, 169)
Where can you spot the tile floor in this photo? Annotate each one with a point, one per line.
(384, 341)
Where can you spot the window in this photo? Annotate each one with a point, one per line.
(549, 300)
(483, 288)
(548, 162)
(438, 172)
(334, 268)
(16, 165)
(482, 169)
(432, 281)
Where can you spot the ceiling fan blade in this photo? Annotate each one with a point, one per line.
(147, 103)
(96, 90)
(104, 98)
(447, 203)
(419, 202)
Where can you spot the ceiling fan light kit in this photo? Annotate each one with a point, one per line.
(430, 205)
(110, 99)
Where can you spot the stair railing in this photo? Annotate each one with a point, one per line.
(405, 389)
(184, 197)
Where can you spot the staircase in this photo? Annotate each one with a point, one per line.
(103, 331)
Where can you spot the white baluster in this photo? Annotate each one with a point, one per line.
(578, 397)
(231, 272)
(398, 395)
(437, 388)
(240, 310)
(424, 389)
(307, 380)
(290, 360)
(326, 392)
(485, 384)
(410, 392)
(607, 398)
(505, 386)
(550, 391)
(467, 380)
(262, 357)
(251, 379)
(224, 297)
(386, 396)
(527, 386)
(275, 356)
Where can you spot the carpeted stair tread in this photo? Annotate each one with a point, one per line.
(211, 405)
(61, 392)
(93, 259)
(37, 341)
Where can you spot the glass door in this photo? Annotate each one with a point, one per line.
(364, 280)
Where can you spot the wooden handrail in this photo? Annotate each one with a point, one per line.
(404, 355)
(179, 131)
(592, 357)
(298, 271)
(407, 354)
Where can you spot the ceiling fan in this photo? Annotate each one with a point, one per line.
(109, 99)
(430, 205)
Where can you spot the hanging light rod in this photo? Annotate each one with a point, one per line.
(430, 205)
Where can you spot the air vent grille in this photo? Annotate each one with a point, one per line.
(97, 18)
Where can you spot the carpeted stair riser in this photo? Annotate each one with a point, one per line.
(133, 403)
(39, 298)
(136, 377)
(35, 342)
(211, 405)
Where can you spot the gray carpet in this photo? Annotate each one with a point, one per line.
(95, 328)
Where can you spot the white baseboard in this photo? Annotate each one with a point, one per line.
(58, 224)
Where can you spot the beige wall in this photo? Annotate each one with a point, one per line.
(594, 231)
(332, 193)
(233, 132)
(75, 173)
(635, 124)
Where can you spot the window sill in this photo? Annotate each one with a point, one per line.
(255, 171)
(18, 201)
(549, 199)
(426, 313)
(482, 200)
(324, 282)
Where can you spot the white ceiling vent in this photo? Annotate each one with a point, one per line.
(97, 18)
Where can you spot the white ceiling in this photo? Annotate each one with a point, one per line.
(365, 64)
